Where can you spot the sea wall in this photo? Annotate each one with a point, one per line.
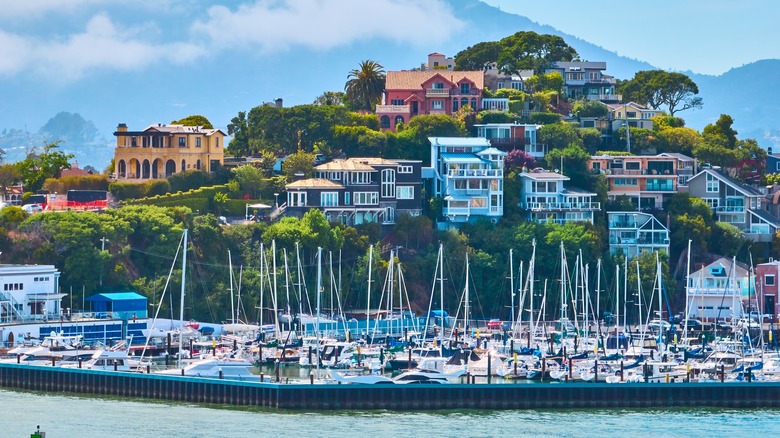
(390, 397)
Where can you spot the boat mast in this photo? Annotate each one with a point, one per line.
(276, 295)
(181, 305)
(466, 304)
(625, 293)
(441, 296)
(319, 292)
(368, 288)
(617, 300)
(660, 300)
(262, 282)
(687, 290)
(287, 284)
(639, 293)
(512, 287)
(233, 312)
(531, 290)
(563, 284)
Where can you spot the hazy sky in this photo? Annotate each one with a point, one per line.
(704, 36)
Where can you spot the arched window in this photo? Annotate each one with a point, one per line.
(145, 170)
(388, 183)
(399, 120)
(464, 102)
(474, 103)
(455, 105)
(183, 166)
(170, 168)
(384, 122)
(197, 165)
(121, 169)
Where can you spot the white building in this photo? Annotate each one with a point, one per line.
(468, 173)
(544, 198)
(716, 291)
(29, 292)
(636, 232)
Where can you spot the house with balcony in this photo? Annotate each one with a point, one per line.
(359, 190)
(631, 113)
(543, 198)
(686, 168)
(586, 80)
(468, 174)
(636, 232)
(735, 203)
(765, 300)
(160, 151)
(719, 291)
(647, 180)
(510, 136)
(410, 93)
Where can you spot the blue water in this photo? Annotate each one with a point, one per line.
(65, 416)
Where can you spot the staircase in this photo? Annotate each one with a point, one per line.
(277, 212)
(8, 308)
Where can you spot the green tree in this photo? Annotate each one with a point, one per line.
(589, 108)
(194, 120)
(574, 160)
(727, 239)
(478, 56)
(679, 140)
(656, 88)
(9, 175)
(250, 179)
(530, 50)
(39, 165)
(558, 136)
(365, 85)
(299, 162)
(591, 139)
(239, 129)
(552, 81)
(330, 98)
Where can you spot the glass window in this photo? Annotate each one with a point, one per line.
(197, 142)
(182, 142)
(329, 199)
(712, 184)
(366, 198)
(437, 104)
(388, 183)
(404, 192)
(384, 121)
(464, 88)
(769, 280)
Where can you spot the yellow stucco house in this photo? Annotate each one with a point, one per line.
(160, 151)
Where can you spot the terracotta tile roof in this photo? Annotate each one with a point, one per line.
(413, 80)
(313, 183)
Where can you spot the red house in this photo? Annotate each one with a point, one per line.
(410, 93)
(767, 276)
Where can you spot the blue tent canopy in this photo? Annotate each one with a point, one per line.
(123, 305)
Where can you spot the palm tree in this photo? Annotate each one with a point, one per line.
(365, 85)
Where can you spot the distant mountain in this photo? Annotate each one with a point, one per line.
(234, 80)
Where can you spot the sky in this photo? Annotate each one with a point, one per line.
(703, 36)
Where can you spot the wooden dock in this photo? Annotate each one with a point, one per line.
(390, 397)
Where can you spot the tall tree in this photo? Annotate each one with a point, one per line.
(365, 85)
(239, 129)
(39, 165)
(656, 88)
(330, 98)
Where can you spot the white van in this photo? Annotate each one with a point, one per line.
(32, 208)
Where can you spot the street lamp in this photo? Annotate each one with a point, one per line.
(276, 199)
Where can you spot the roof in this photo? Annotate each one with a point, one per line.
(314, 183)
(766, 217)
(680, 157)
(173, 129)
(117, 296)
(374, 161)
(544, 175)
(576, 191)
(491, 151)
(462, 157)
(413, 80)
(459, 141)
(744, 189)
(724, 262)
(345, 165)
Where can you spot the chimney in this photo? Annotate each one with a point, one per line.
(121, 128)
(278, 102)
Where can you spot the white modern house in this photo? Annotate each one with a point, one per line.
(544, 198)
(634, 232)
(29, 292)
(468, 173)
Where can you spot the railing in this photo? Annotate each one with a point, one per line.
(538, 206)
(618, 97)
(456, 210)
(495, 103)
(394, 109)
(659, 187)
(437, 92)
(9, 307)
(278, 211)
(497, 210)
(622, 225)
(487, 173)
(730, 209)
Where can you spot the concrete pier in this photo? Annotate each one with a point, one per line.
(390, 397)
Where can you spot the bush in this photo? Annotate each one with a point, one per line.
(189, 179)
(125, 191)
(545, 118)
(157, 187)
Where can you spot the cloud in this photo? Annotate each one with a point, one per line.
(277, 25)
(101, 46)
(36, 8)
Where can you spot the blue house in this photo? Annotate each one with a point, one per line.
(120, 305)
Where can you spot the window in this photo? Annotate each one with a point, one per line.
(329, 199)
(712, 202)
(464, 88)
(399, 120)
(384, 122)
(455, 105)
(197, 142)
(397, 102)
(216, 142)
(361, 178)
(296, 199)
(712, 184)
(769, 280)
(346, 198)
(632, 165)
(182, 142)
(404, 169)
(499, 85)
(438, 85)
(631, 114)
(625, 182)
(388, 183)
(437, 104)
(478, 202)
(404, 192)
(134, 142)
(366, 198)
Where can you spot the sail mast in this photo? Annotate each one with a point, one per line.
(368, 288)
(181, 304)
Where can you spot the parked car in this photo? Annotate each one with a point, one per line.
(32, 208)
(494, 324)
(659, 324)
(694, 324)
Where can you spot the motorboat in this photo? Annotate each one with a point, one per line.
(213, 368)
(360, 379)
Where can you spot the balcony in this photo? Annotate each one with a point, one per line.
(561, 206)
(623, 224)
(495, 103)
(607, 97)
(730, 209)
(437, 92)
(475, 173)
(456, 210)
(393, 109)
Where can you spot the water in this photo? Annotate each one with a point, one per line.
(67, 416)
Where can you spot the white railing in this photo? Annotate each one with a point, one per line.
(456, 210)
(487, 173)
(730, 209)
(396, 109)
(437, 92)
(561, 206)
(618, 97)
(495, 103)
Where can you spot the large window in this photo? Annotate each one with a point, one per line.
(545, 187)
(388, 183)
(329, 199)
(404, 169)
(397, 102)
(182, 142)
(437, 104)
(366, 198)
(384, 122)
(197, 142)
(712, 184)
(404, 192)
(464, 88)
(296, 199)
(361, 177)
(625, 182)
(769, 280)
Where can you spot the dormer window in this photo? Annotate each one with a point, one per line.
(464, 88)
(438, 86)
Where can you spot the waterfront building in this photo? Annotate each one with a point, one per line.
(586, 80)
(468, 174)
(359, 190)
(647, 180)
(718, 291)
(509, 136)
(410, 93)
(767, 277)
(543, 198)
(160, 151)
(735, 203)
(29, 292)
(636, 232)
